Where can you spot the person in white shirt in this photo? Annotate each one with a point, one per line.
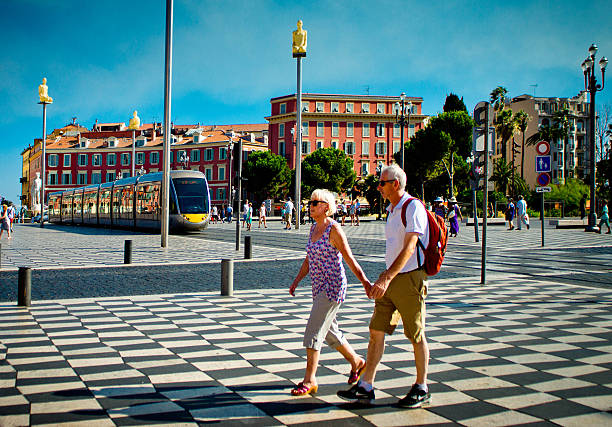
(521, 213)
(400, 291)
(245, 212)
(262, 215)
(288, 213)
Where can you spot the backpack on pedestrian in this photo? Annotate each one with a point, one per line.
(438, 235)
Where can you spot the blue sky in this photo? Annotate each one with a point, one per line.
(104, 59)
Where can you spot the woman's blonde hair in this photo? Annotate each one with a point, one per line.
(326, 196)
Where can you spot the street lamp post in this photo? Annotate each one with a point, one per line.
(45, 100)
(400, 117)
(230, 150)
(591, 85)
(298, 48)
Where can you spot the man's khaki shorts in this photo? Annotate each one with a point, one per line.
(405, 298)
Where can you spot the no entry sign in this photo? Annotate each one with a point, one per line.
(542, 148)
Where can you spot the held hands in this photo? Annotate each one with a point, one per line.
(380, 287)
(367, 286)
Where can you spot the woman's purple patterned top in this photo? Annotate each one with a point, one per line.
(326, 269)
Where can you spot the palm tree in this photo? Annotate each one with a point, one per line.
(501, 175)
(505, 126)
(498, 97)
(522, 120)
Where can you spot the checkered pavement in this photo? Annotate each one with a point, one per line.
(514, 351)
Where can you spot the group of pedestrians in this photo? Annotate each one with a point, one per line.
(452, 213)
(519, 210)
(7, 218)
(399, 291)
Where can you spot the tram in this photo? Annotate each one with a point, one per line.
(135, 202)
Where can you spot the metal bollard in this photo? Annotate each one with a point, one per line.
(24, 287)
(127, 255)
(248, 250)
(0, 255)
(227, 277)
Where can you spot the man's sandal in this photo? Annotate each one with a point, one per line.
(302, 390)
(355, 375)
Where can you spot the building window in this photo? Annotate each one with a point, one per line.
(208, 173)
(52, 160)
(125, 159)
(319, 107)
(96, 159)
(82, 179)
(111, 159)
(320, 129)
(140, 141)
(221, 173)
(334, 144)
(319, 144)
(154, 157)
(380, 129)
(349, 148)
(110, 176)
(365, 169)
(396, 130)
(396, 146)
(283, 108)
(281, 130)
(281, 148)
(411, 131)
(305, 128)
(209, 155)
(380, 108)
(365, 129)
(335, 129)
(350, 129)
(82, 159)
(95, 178)
(66, 178)
(305, 147)
(365, 148)
(140, 157)
(335, 107)
(305, 106)
(222, 153)
(66, 159)
(52, 178)
(381, 148)
(221, 193)
(365, 107)
(195, 155)
(349, 107)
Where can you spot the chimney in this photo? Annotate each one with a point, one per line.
(79, 139)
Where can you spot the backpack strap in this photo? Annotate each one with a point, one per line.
(419, 243)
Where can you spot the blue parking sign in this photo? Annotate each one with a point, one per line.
(542, 163)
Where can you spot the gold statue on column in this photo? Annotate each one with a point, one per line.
(134, 121)
(43, 92)
(300, 37)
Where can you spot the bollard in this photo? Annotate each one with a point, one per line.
(227, 277)
(0, 255)
(127, 256)
(248, 250)
(24, 287)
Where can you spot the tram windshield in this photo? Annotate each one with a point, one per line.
(192, 195)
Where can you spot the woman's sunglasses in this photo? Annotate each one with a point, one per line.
(315, 202)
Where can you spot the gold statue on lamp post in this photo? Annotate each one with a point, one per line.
(300, 40)
(44, 100)
(43, 92)
(134, 125)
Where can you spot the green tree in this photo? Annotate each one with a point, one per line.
(327, 168)
(498, 98)
(570, 194)
(368, 188)
(505, 126)
(522, 121)
(503, 176)
(453, 103)
(267, 174)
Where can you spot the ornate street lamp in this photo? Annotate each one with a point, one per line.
(591, 86)
(400, 118)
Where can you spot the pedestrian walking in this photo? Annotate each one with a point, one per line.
(454, 215)
(521, 213)
(230, 211)
(214, 215)
(439, 208)
(510, 214)
(400, 291)
(605, 218)
(583, 206)
(249, 219)
(357, 208)
(262, 215)
(4, 222)
(11, 216)
(353, 212)
(288, 213)
(327, 246)
(245, 212)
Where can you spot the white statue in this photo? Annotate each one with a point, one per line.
(35, 190)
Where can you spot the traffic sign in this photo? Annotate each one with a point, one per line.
(542, 148)
(543, 179)
(478, 139)
(542, 163)
(543, 190)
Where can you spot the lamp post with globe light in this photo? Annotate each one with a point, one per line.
(401, 107)
(591, 86)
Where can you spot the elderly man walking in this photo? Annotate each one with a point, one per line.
(400, 291)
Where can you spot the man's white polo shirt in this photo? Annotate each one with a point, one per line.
(416, 222)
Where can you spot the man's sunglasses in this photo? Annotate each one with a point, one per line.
(315, 202)
(382, 182)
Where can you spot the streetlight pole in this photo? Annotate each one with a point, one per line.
(591, 85)
(45, 99)
(400, 117)
(238, 192)
(165, 220)
(299, 52)
(230, 150)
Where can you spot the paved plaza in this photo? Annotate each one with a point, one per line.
(154, 342)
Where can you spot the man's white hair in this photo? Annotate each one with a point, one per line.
(393, 171)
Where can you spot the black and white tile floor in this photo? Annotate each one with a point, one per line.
(515, 351)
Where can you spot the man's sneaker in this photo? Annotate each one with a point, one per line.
(415, 398)
(357, 394)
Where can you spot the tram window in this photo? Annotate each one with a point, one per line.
(116, 201)
(192, 195)
(105, 202)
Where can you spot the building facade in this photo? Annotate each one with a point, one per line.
(568, 161)
(363, 126)
(79, 158)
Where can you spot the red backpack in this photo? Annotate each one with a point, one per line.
(438, 234)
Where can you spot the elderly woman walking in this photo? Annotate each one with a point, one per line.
(327, 245)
